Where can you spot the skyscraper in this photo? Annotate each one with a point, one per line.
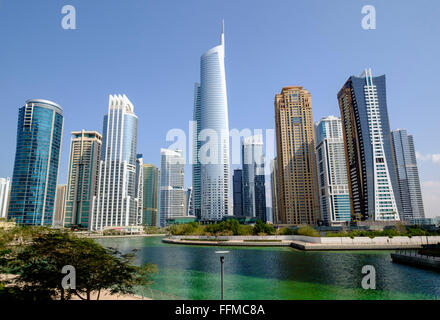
(254, 190)
(60, 205)
(332, 172)
(116, 204)
(407, 175)
(274, 186)
(237, 191)
(34, 183)
(188, 202)
(211, 114)
(196, 167)
(139, 192)
(82, 182)
(5, 187)
(296, 157)
(370, 167)
(172, 193)
(151, 195)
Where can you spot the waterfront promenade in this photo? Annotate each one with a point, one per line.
(309, 243)
(413, 258)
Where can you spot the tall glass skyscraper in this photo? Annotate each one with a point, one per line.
(211, 114)
(367, 138)
(34, 183)
(151, 195)
(254, 190)
(237, 190)
(172, 192)
(82, 182)
(116, 204)
(332, 172)
(196, 167)
(408, 175)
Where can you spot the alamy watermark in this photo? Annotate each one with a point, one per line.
(369, 20)
(369, 280)
(69, 280)
(211, 141)
(69, 20)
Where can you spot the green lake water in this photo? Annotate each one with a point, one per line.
(193, 272)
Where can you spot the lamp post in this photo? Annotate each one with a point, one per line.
(222, 266)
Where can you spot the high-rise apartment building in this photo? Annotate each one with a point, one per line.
(211, 115)
(297, 181)
(407, 175)
(332, 173)
(151, 195)
(116, 203)
(172, 192)
(237, 191)
(367, 139)
(82, 181)
(34, 183)
(60, 205)
(5, 187)
(254, 190)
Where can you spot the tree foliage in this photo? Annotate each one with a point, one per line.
(38, 266)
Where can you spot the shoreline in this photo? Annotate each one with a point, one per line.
(144, 235)
(305, 243)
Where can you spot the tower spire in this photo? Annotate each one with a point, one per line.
(222, 37)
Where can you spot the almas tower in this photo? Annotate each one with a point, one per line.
(211, 137)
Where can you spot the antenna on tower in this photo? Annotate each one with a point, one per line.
(222, 37)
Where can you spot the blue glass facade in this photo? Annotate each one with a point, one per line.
(118, 200)
(237, 189)
(408, 175)
(254, 190)
(39, 134)
(214, 172)
(371, 168)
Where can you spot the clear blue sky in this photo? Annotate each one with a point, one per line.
(150, 51)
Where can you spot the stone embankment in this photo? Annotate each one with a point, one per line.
(309, 243)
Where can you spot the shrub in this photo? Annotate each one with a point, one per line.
(261, 228)
(307, 231)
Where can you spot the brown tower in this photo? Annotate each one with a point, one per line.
(297, 181)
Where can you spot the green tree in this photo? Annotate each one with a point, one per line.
(261, 227)
(97, 268)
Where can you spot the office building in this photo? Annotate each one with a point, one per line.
(116, 203)
(211, 115)
(188, 203)
(274, 188)
(196, 166)
(237, 191)
(151, 195)
(34, 182)
(82, 181)
(297, 182)
(407, 175)
(254, 190)
(371, 172)
(172, 192)
(332, 172)
(139, 189)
